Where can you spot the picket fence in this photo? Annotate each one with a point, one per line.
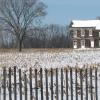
(49, 84)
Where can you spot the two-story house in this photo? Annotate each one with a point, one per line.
(85, 33)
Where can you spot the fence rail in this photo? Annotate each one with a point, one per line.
(49, 84)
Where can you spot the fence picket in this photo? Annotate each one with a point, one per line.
(57, 98)
(0, 93)
(51, 84)
(30, 83)
(41, 82)
(4, 83)
(91, 90)
(66, 84)
(76, 84)
(15, 93)
(36, 87)
(46, 79)
(10, 84)
(71, 83)
(86, 83)
(20, 84)
(61, 84)
(25, 84)
(96, 84)
(81, 83)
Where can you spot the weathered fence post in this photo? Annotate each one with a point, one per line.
(51, 84)
(25, 85)
(76, 84)
(66, 84)
(41, 82)
(10, 84)
(36, 88)
(30, 84)
(81, 83)
(46, 79)
(71, 83)
(20, 84)
(96, 84)
(0, 93)
(91, 91)
(61, 84)
(4, 83)
(15, 93)
(57, 98)
(86, 82)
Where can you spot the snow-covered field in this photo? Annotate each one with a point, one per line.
(52, 58)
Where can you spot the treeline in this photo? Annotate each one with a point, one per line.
(17, 26)
(48, 36)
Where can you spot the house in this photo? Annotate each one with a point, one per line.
(85, 33)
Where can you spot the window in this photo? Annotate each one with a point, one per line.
(99, 34)
(90, 32)
(82, 32)
(75, 33)
(92, 43)
(82, 42)
(99, 43)
(75, 43)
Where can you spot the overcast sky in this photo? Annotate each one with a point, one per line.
(63, 11)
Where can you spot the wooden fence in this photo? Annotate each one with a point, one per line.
(49, 84)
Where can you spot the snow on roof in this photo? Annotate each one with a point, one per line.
(86, 23)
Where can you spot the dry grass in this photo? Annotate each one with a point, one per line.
(47, 50)
(37, 50)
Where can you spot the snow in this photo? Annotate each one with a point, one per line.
(48, 59)
(86, 23)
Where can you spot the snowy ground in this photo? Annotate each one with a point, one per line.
(52, 58)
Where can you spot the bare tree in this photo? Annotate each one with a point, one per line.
(18, 15)
(48, 36)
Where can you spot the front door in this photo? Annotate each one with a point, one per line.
(82, 44)
(92, 43)
(75, 44)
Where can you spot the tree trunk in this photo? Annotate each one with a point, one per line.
(20, 45)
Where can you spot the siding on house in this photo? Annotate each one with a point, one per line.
(87, 36)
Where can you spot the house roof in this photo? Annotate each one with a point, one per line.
(86, 23)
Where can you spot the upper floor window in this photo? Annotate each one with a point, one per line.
(82, 32)
(75, 33)
(90, 32)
